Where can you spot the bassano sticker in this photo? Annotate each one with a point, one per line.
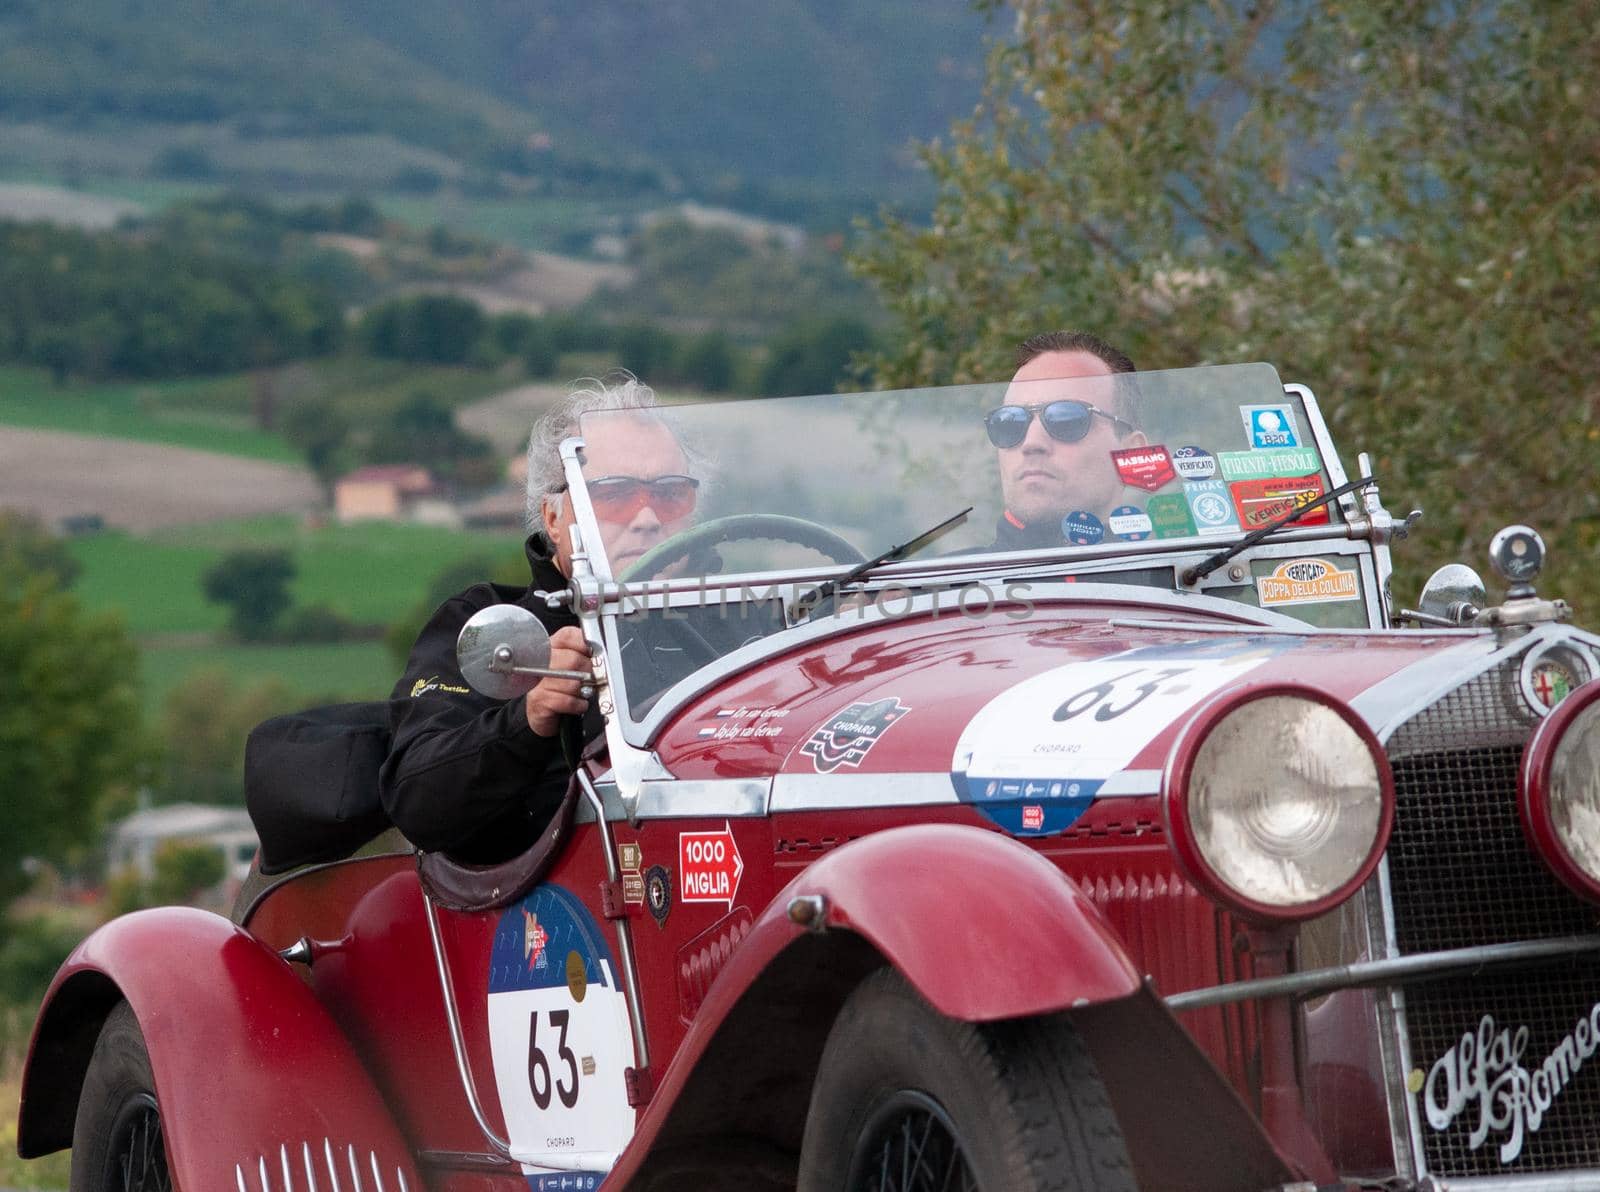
(1034, 757)
(1144, 467)
(560, 1041)
(1306, 581)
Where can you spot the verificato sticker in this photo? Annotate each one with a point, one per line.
(1306, 581)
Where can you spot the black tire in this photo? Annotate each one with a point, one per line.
(907, 1100)
(117, 1141)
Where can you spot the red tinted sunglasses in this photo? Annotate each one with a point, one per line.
(620, 498)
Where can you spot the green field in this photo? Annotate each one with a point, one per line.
(374, 573)
(331, 673)
(200, 414)
(546, 224)
(371, 572)
(216, 413)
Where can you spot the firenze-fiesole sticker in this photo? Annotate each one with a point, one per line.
(1271, 461)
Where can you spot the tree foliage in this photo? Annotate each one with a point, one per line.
(70, 731)
(254, 584)
(1392, 202)
(27, 548)
(97, 305)
(204, 722)
(434, 328)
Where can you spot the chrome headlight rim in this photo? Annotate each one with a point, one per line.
(1175, 788)
(1534, 792)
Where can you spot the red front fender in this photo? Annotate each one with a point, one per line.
(249, 1068)
(983, 926)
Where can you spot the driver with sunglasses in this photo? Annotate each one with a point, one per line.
(1054, 435)
(480, 778)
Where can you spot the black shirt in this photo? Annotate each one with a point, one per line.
(1010, 533)
(465, 774)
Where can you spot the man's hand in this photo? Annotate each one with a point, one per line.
(552, 699)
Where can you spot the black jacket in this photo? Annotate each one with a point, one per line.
(1011, 534)
(465, 774)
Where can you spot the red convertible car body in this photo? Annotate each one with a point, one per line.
(983, 782)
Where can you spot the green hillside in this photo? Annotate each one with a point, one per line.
(795, 99)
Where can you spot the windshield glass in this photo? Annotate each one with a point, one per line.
(799, 484)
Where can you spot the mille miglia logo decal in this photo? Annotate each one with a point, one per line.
(1486, 1067)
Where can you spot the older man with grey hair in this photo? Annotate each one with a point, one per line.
(479, 778)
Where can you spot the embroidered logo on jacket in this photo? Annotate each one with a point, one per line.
(431, 683)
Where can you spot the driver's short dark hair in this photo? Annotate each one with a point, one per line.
(1074, 341)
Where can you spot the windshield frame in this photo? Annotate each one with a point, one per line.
(607, 598)
(1352, 523)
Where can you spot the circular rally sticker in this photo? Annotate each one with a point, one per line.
(1081, 528)
(560, 1040)
(1130, 522)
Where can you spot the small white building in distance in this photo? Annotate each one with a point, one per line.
(135, 841)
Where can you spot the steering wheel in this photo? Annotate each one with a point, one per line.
(705, 538)
(735, 527)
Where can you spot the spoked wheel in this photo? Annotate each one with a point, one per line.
(138, 1153)
(907, 1100)
(910, 1145)
(117, 1141)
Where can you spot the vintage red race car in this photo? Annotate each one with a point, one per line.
(1158, 855)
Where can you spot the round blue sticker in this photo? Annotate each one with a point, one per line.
(1131, 523)
(1081, 528)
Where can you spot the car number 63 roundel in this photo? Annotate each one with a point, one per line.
(559, 1035)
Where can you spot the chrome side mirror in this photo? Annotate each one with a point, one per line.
(1452, 596)
(504, 650)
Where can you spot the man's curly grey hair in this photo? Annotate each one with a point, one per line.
(619, 390)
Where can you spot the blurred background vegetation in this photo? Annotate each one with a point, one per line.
(314, 236)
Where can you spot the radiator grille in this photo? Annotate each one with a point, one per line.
(1462, 874)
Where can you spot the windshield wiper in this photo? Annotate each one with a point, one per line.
(804, 605)
(1199, 571)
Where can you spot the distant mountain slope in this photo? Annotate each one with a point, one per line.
(289, 66)
(817, 92)
(783, 89)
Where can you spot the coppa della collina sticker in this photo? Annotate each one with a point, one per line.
(1034, 758)
(559, 1035)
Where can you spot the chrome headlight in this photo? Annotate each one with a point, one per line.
(1559, 791)
(1278, 801)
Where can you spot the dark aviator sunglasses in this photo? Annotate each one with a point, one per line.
(1065, 421)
